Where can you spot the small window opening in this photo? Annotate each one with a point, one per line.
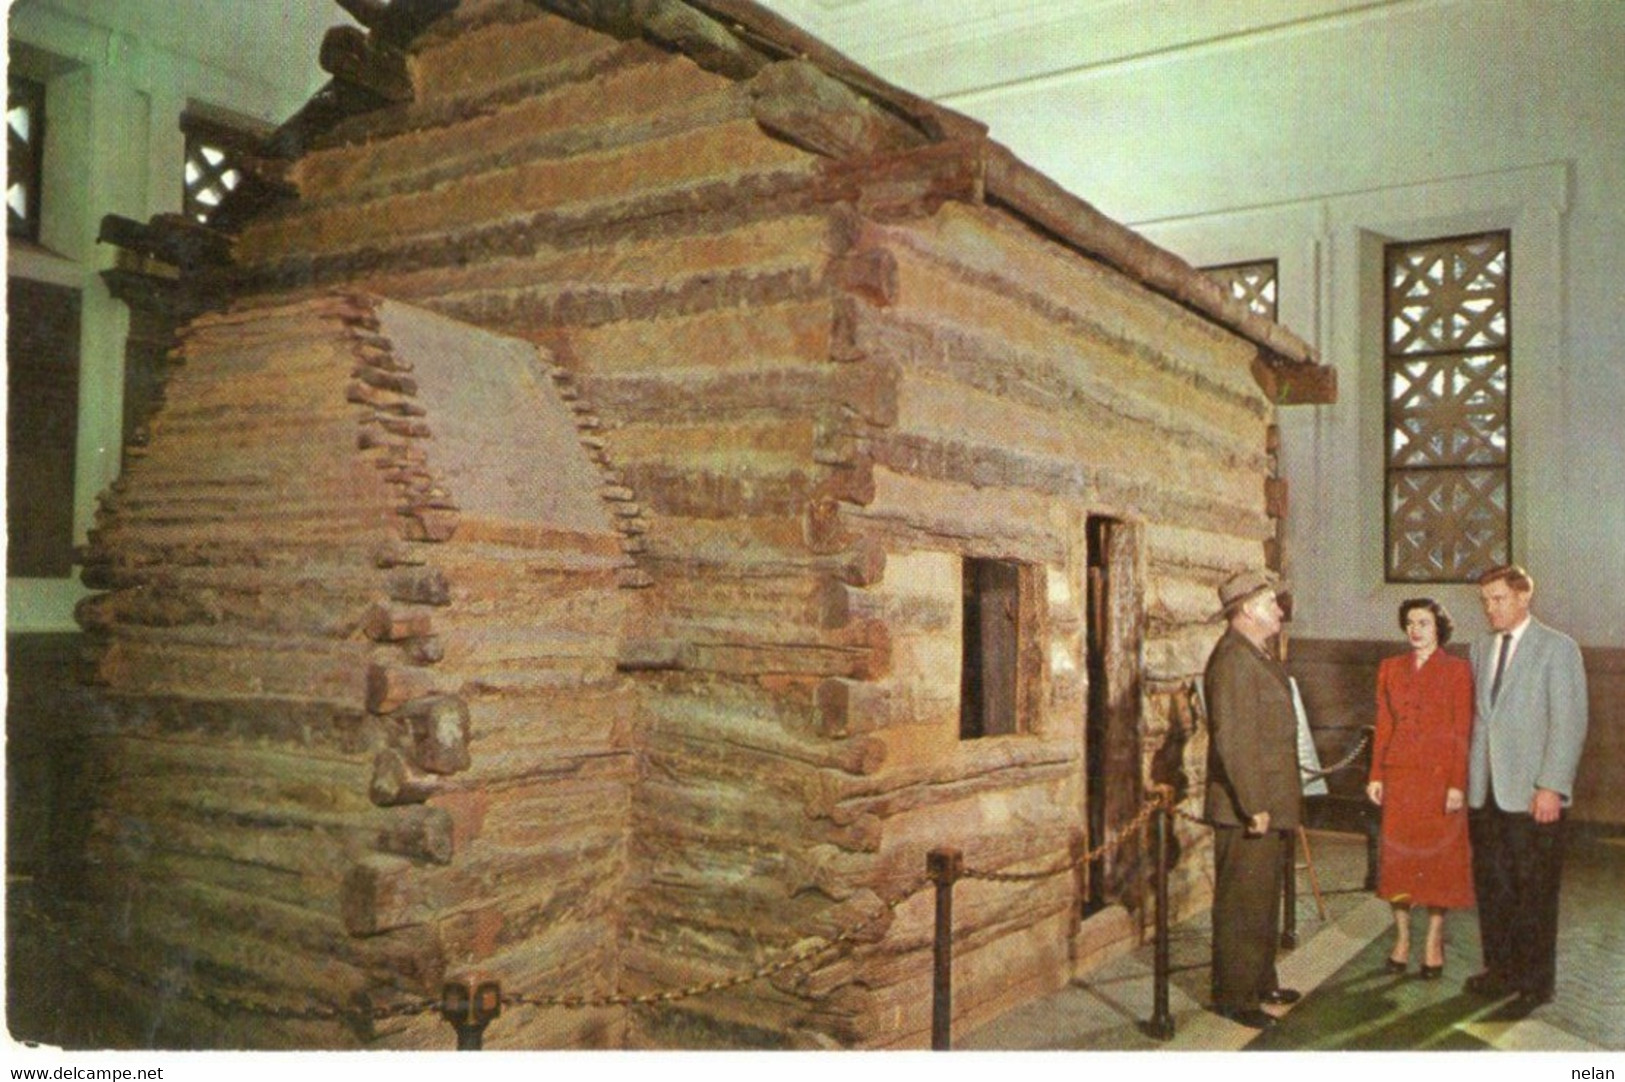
(25, 155)
(999, 640)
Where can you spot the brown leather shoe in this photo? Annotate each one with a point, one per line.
(1281, 997)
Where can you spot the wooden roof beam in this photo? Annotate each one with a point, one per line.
(350, 54)
(1294, 383)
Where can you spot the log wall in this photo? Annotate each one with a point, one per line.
(1032, 391)
(815, 384)
(365, 725)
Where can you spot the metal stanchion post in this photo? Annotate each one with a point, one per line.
(1161, 1025)
(944, 867)
(470, 1004)
(1289, 890)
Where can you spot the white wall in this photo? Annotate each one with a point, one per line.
(1313, 131)
(118, 74)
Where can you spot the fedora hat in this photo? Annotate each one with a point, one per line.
(1242, 587)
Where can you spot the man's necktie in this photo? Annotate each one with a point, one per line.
(1500, 665)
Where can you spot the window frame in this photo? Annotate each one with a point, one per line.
(1464, 575)
(33, 165)
(1025, 691)
(1227, 275)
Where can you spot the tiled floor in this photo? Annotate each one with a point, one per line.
(1350, 1001)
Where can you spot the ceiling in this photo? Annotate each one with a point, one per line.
(963, 51)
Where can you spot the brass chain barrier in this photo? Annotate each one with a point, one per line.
(1162, 796)
(1342, 764)
(229, 1003)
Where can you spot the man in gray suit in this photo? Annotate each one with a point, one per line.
(1252, 799)
(1529, 722)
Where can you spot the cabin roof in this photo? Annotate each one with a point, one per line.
(826, 103)
(737, 37)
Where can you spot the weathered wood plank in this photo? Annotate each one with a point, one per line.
(602, 179)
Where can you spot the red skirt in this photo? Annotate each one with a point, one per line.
(1425, 858)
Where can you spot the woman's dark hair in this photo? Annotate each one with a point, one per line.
(1441, 619)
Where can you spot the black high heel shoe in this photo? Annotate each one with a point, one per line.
(1394, 965)
(1431, 973)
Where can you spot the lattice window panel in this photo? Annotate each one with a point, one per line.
(211, 172)
(218, 146)
(1448, 388)
(1253, 284)
(25, 149)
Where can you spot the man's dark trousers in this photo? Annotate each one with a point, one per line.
(1246, 915)
(1517, 864)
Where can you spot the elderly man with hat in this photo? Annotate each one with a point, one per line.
(1252, 799)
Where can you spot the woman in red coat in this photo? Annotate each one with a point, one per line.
(1419, 777)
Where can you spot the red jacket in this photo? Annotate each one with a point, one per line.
(1424, 717)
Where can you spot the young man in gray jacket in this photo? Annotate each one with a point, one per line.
(1529, 723)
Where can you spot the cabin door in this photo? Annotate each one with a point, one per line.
(1112, 739)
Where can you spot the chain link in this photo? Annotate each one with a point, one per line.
(796, 957)
(1342, 764)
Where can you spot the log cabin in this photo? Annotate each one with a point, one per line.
(627, 485)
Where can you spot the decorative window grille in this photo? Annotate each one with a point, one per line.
(215, 151)
(1448, 368)
(25, 150)
(1253, 284)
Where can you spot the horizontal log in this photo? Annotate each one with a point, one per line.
(173, 238)
(234, 664)
(797, 101)
(684, 815)
(1181, 546)
(1036, 197)
(686, 159)
(984, 333)
(463, 52)
(933, 780)
(560, 813)
(420, 833)
(1181, 652)
(1002, 473)
(776, 750)
(702, 39)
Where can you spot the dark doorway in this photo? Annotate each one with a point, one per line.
(1112, 750)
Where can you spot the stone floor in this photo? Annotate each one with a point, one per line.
(1350, 1001)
